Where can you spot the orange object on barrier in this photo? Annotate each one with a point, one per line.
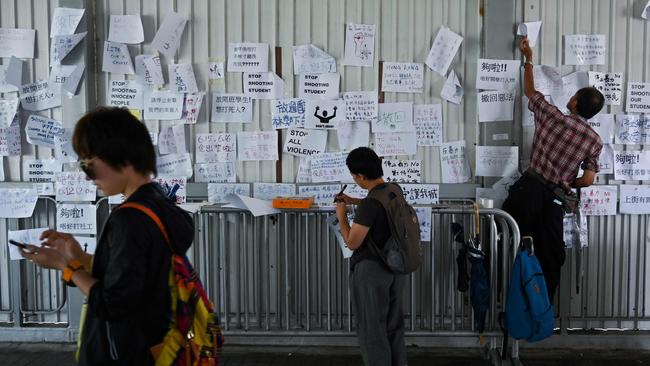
(293, 202)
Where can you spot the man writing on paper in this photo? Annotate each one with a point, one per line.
(561, 144)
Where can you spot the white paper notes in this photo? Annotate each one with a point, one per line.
(598, 200)
(324, 114)
(169, 34)
(175, 165)
(496, 161)
(231, 108)
(302, 142)
(530, 30)
(117, 59)
(443, 50)
(635, 199)
(581, 49)
(268, 191)
(41, 130)
(257, 145)
(402, 171)
(263, 85)
(319, 86)
(17, 42)
(61, 46)
(126, 29)
(73, 186)
(164, 105)
(394, 117)
(632, 165)
(40, 95)
(353, 134)
(395, 143)
(638, 98)
(427, 120)
(148, 70)
(453, 160)
(496, 106)
(359, 45)
(631, 129)
(330, 167)
(309, 59)
(125, 93)
(497, 74)
(17, 202)
(608, 83)
(360, 105)
(217, 193)
(181, 77)
(215, 172)
(8, 108)
(216, 147)
(288, 113)
(452, 90)
(76, 218)
(402, 77)
(248, 57)
(65, 21)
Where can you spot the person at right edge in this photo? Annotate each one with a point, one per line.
(561, 143)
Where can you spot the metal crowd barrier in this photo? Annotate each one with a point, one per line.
(284, 275)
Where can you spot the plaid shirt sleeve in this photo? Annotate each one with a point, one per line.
(542, 109)
(591, 161)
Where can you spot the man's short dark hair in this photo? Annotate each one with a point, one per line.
(117, 137)
(363, 160)
(590, 102)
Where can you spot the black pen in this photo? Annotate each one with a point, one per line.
(340, 193)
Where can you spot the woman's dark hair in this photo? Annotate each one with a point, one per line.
(590, 102)
(363, 160)
(117, 137)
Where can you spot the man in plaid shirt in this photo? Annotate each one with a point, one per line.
(561, 144)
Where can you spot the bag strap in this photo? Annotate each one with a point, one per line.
(152, 215)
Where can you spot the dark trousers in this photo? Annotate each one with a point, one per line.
(539, 214)
(377, 296)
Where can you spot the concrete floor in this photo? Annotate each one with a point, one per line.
(15, 354)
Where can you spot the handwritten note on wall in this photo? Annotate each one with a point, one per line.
(402, 171)
(581, 49)
(427, 120)
(330, 167)
(497, 74)
(323, 193)
(598, 200)
(359, 45)
(403, 77)
(257, 145)
(394, 117)
(232, 108)
(395, 143)
(215, 172)
(360, 105)
(453, 160)
(443, 50)
(248, 57)
(216, 147)
(73, 186)
(635, 199)
(288, 113)
(496, 161)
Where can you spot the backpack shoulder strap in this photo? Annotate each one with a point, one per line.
(152, 215)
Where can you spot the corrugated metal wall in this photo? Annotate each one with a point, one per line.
(405, 31)
(37, 14)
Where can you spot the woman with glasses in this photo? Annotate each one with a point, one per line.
(126, 281)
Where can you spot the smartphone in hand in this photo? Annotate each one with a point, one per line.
(18, 244)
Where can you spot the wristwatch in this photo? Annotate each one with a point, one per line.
(528, 62)
(71, 267)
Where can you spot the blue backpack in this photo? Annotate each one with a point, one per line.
(529, 314)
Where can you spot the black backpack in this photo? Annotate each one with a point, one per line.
(402, 252)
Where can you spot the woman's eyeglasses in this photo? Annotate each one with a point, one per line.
(87, 167)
